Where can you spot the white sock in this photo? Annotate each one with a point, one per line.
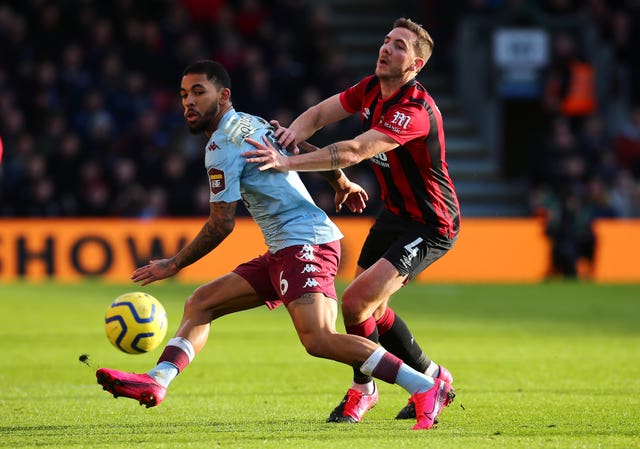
(433, 369)
(367, 388)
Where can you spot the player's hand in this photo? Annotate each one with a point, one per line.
(266, 155)
(286, 137)
(353, 196)
(156, 270)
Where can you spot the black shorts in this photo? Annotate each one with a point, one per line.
(410, 246)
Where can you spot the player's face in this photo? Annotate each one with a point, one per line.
(396, 55)
(200, 101)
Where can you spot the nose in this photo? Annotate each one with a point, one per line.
(188, 100)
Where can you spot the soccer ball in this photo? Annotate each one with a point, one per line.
(135, 323)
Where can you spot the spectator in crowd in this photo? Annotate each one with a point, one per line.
(570, 90)
(627, 143)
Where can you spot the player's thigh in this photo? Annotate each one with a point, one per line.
(227, 294)
(300, 270)
(415, 250)
(409, 246)
(313, 314)
(372, 288)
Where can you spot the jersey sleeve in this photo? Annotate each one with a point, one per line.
(404, 122)
(224, 168)
(351, 98)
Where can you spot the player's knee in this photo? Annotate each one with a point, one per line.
(315, 345)
(197, 302)
(352, 305)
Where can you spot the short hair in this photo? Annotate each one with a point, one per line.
(215, 72)
(424, 44)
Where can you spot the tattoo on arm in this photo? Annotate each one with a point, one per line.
(329, 175)
(213, 232)
(335, 159)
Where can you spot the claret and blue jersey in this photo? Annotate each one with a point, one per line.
(278, 202)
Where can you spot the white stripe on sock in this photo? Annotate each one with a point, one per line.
(370, 364)
(433, 370)
(185, 345)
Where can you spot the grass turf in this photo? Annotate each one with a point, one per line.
(553, 365)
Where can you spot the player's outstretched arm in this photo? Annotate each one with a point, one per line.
(348, 193)
(336, 155)
(218, 226)
(329, 110)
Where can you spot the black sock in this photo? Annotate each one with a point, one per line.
(367, 329)
(399, 341)
(358, 376)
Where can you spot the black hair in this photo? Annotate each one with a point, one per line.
(216, 73)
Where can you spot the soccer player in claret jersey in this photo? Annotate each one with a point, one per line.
(403, 137)
(298, 270)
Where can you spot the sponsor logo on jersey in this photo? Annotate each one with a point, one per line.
(212, 146)
(245, 126)
(399, 122)
(239, 127)
(366, 112)
(216, 180)
(400, 119)
(381, 160)
(393, 128)
(306, 253)
(308, 268)
(311, 282)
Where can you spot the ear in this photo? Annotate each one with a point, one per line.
(225, 95)
(418, 64)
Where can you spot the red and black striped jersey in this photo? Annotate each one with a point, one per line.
(413, 177)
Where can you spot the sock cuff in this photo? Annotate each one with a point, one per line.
(370, 364)
(364, 329)
(179, 352)
(433, 369)
(385, 322)
(382, 365)
(185, 345)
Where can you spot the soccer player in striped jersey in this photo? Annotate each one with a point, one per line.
(403, 138)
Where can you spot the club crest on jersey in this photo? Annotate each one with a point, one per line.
(216, 180)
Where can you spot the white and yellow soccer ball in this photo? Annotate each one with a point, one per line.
(136, 323)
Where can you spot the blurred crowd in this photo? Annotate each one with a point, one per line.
(92, 124)
(90, 114)
(585, 162)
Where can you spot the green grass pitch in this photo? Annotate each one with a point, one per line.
(554, 365)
